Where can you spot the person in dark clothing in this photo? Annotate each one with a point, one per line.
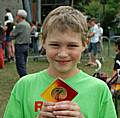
(117, 58)
(10, 44)
(21, 33)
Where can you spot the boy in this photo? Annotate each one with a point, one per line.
(63, 30)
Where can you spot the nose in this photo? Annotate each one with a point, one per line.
(63, 52)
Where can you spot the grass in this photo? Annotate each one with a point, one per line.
(9, 76)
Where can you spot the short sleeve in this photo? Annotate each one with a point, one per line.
(107, 109)
(13, 109)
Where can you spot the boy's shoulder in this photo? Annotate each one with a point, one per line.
(93, 80)
(86, 81)
(32, 78)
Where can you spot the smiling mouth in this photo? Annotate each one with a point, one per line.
(62, 61)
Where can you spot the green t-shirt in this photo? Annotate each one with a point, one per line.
(94, 97)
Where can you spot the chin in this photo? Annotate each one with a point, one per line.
(64, 70)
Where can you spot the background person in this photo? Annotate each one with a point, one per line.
(63, 30)
(93, 45)
(34, 37)
(21, 33)
(9, 41)
(100, 34)
(9, 15)
(2, 40)
(116, 65)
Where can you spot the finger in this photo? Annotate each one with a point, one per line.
(66, 102)
(67, 113)
(48, 106)
(65, 117)
(66, 106)
(49, 103)
(68, 117)
(46, 115)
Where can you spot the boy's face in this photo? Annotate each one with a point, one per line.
(63, 51)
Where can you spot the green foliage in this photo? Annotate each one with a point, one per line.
(94, 9)
(105, 13)
(79, 4)
(110, 13)
(111, 10)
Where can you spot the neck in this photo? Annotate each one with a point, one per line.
(63, 75)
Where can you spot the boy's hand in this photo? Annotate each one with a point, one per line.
(67, 109)
(64, 109)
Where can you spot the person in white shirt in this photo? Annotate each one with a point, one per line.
(100, 30)
(9, 14)
(92, 47)
(100, 33)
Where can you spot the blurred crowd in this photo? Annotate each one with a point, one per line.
(17, 34)
(17, 31)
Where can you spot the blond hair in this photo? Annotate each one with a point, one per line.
(62, 19)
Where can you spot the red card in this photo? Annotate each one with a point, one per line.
(57, 91)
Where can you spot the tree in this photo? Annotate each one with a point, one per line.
(79, 4)
(94, 9)
(105, 12)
